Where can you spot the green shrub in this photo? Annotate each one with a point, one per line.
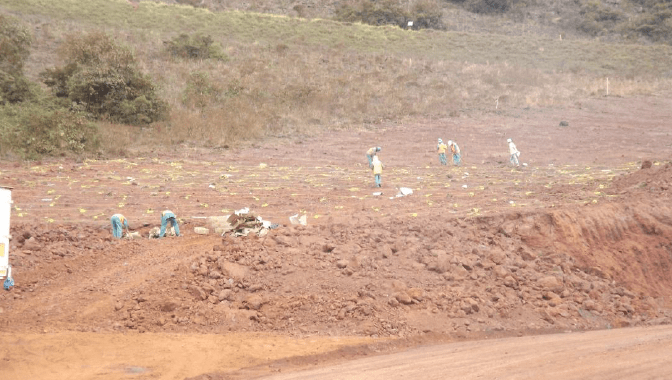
(195, 47)
(15, 88)
(488, 6)
(596, 18)
(33, 130)
(595, 10)
(200, 92)
(424, 13)
(101, 78)
(15, 41)
(386, 12)
(193, 3)
(656, 25)
(427, 14)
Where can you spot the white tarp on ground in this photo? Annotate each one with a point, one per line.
(295, 219)
(404, 191)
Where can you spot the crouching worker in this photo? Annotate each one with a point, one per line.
(371, 153)
(168, 216)
(119, 222)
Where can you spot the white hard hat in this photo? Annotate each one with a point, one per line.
(508, 140)
(377, 149)
(450, 142)
(440, 139)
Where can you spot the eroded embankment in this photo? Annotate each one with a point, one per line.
(573, 268)
(629, 243)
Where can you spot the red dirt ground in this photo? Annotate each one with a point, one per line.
(579, 238)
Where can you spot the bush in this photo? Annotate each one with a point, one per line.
(195, 47)
(597, 18)
(33, 130)
(200, 92)
(15, 41)
(656, 25)
(427, 14)
(488, 6)
(15, 88)
(424, 14)
(101, 78)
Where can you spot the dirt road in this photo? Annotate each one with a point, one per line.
(634, 353)
(73, 355)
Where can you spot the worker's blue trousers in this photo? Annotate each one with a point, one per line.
(169, 217)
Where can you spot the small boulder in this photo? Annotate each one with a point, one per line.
(198, 293)
(169, 306)
(254, 302)
(550, 283)
(416, 293)
(510, 282)
(225, 295)
(342, 264)
(403, 298)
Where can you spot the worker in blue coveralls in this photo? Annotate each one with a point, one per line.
(455, 151)
(441, 148)
(168, 216)
(370, 153)
(118, 223)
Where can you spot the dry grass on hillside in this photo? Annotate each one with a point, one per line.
(272, 86)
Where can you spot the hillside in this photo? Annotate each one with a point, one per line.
(641, 21)
(286, 75)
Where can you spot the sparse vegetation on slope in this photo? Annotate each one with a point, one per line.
(282, 76)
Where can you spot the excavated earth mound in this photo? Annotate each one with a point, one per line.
(595, 266)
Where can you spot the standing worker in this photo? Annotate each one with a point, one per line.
(377, 170)
(455, 150)
(118, 223)
(441, 148)
(370, 153)
(513, 151)
(168, 216)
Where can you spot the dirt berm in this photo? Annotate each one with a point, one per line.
(595, 266)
